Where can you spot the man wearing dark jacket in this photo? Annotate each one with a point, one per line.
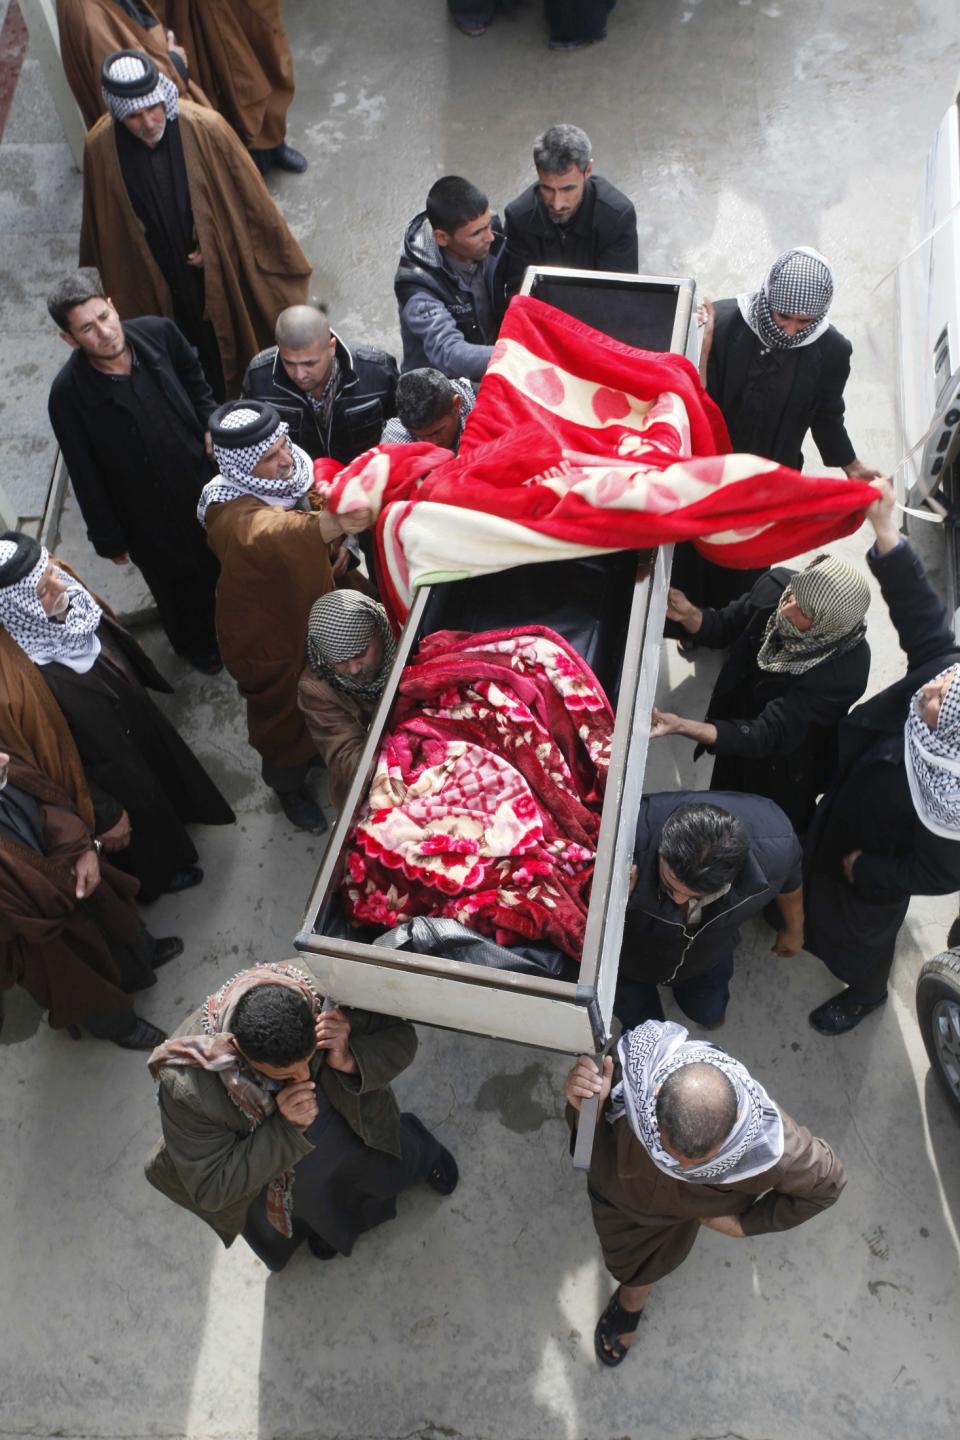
(449, 283)
(569, 216)
(335, 400)
(702, 868)
(129, 410)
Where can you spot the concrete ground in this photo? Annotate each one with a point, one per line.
(738, 129)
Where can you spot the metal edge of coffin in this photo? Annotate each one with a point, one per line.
(532, 1010)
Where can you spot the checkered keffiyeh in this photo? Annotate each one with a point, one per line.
(396, 433)
(341, 626)
(800, 282)
(835, 597)
(236, 476)
(129, 68)
(655, 1050)
(932, 759)
(71, 640)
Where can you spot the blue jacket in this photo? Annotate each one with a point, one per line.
(658, 947)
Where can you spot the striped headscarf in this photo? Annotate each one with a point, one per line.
(216, 1050)
(835, 596)
(799, 282)
(655, 1050)
(126, 66)
(932, 759)
(341, 626)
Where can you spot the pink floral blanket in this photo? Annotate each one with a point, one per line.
(484, 805)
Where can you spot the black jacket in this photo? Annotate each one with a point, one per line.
(815, 399)
(601, 236)
(908, 860)
(657, 946)
(776, 732)
(97, 454)
(364, 402)
(438, 317)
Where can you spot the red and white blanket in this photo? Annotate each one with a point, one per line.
(578, 443)
(484, 804)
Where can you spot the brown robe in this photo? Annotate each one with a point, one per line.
(253, 267)
(239, 52)
(54, 945)
(338, 725)
(273, 565)
(647, 1222)
(89, 30)
(33, 726)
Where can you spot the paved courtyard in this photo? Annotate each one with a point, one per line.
(738, 128)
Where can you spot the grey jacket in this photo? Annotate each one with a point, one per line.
(213, 1164)
(438, 319)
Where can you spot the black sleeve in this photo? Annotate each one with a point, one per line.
(519, 255)
(101, 519)
(827, 427)
(180, 65)
(931, 867)
(918, 614)
(622, 251)
(783, 725)
(106, 808)
(190, 373)
(722, 627)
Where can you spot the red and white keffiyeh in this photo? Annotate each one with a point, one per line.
(579, 444)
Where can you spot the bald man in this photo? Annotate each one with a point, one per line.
(686, 1138)
(335, 399)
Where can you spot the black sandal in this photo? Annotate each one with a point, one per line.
(614, 1322)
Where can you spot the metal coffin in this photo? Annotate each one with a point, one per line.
(611, 610)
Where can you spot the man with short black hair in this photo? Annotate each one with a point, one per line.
(449, 285)
(569, 216)
(130, 410)
(278, 1118)
(431, 408)
(335, 399)
(701, 869)
(686, 1138)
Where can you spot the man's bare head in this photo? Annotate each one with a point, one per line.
(306, 346)
(696, 1110)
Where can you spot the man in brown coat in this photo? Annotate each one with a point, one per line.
(91, 29)
(350, 649)
(179, 222)
(686, 1137)
(278, 1118)
(274, 553)
(70, 933)
(239, 51)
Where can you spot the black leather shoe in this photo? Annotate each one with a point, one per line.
(167, 949)
(263, 159)
(143, 1036)
(319, 1248)
(837, 1016)
(286, 158)
(445, 1174)
(303, 812)
(208, 663)
(183, 880)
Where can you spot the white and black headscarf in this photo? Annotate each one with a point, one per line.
(800, 282)
(242, 432)
(130, 81)
(70, 639)
(341, 626)
(932, 759)
(835, 597)
(655, 1050)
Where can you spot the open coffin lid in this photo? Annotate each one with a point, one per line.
(611, 610)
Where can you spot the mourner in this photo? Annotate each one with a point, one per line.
(278, 1119)
(703, 866)
(798, 659)
(449, 283)
(350, 649)
(569, 216)
(430, 408)
(889, 825)
(335, 399)
(145, 783)
(70, 932)
(686, 1138)
(92, 29)
(179, 223)
(777, 368)
(130, 410)
(240, 54)
(273, 550)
